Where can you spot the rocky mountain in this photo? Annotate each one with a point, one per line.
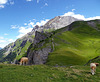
(59, 22)
(18, 49)
(74, 44)
(58, 42)
(55, 23)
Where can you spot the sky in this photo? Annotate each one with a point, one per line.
(18, 17)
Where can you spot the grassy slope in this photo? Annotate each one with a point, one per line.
(76, 46)
(23, 50)
(43, 73)
(18, 51)
(71, 47)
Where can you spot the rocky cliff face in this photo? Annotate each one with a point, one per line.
(37, 54)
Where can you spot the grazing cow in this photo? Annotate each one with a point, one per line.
(93, 67)
(24, 61)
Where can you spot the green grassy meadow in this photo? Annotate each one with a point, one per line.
(44, 73)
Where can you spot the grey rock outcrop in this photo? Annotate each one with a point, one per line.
(39, 37)
(39, 55)
(94, 24)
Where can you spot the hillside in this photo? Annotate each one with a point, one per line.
(18, 49)
(43, 73)
(78, 45)
(75, 44)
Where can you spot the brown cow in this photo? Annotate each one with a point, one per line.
(24, 61)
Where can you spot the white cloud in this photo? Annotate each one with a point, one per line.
(39, 23)
(11, 40)
(2, 45)
(28, 0)
(73, 10)
(25, 23)
(31, 24)
(2, 6)
(42, 22)
(20, 35)
(92, 18)
(5, 34)
(2, 41)
(79, 16)
(23, 31)
(14, 26)
(5, 41)
(3, 1)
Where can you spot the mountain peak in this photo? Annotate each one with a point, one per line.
(60, 21)
(56, 23)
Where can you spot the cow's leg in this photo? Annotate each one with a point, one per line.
(26, 63)
(23, 63)
(92, 71)
(20, 62)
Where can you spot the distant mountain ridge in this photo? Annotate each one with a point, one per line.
(56, 23)
(51, 44)
(20, 46)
